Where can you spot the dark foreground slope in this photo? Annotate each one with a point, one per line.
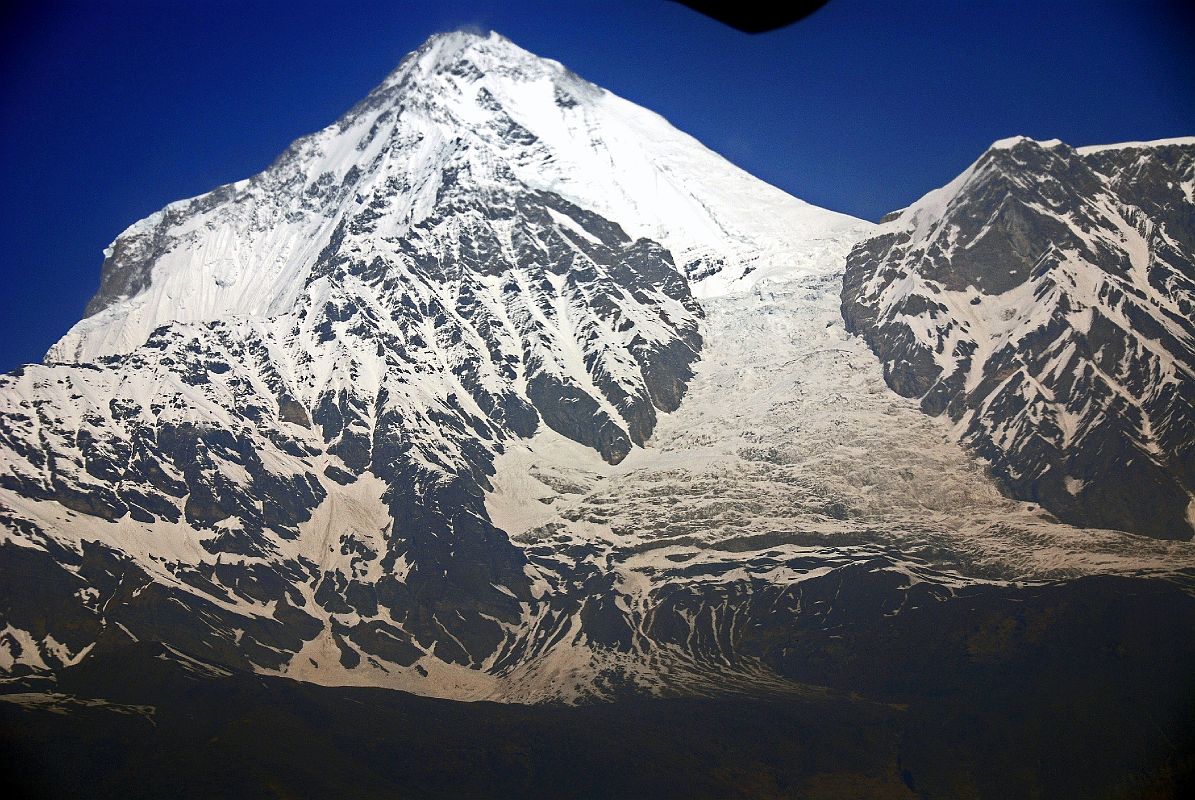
(1071, 690)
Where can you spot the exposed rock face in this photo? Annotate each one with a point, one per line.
(1045, 302)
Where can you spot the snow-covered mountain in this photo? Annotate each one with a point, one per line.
(497, 387)
(465, 116)
(284, 407)
(1044, 301)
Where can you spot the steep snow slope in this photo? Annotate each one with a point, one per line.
(1045, 301)
(478, 110)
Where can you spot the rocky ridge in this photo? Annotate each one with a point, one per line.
(1044, 302)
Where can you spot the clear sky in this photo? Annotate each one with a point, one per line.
(108, 111)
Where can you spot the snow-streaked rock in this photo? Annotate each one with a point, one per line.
(1044, 301)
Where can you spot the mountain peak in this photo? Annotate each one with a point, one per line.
(467, 110)
(450, 47)
(469, 53)
(1011, 142)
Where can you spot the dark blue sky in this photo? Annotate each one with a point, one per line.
(108, 111)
